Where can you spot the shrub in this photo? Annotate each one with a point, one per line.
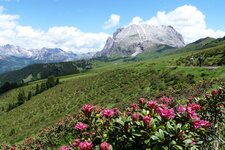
(161, 123)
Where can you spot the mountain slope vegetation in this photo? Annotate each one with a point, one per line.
(111, 83)
(42, 71)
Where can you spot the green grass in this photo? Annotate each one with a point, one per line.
(114, 86)
(109, 84)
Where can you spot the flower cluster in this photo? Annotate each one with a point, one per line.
(159, 123)
(142, 125)
(80, 126)
(87, 108)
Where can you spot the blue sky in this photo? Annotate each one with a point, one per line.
(89, 18)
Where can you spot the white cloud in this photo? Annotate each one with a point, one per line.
(65, 37)
(113, 21)
(187, 20)
(136, 20)
(7, 21)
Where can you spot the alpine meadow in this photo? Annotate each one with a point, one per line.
(151, 77)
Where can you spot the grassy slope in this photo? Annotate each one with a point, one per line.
(41, 71)
(212, 56)
(109, 84)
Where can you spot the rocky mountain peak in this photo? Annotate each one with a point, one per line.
(137, 38)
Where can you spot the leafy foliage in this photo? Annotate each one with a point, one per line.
(111, 86)
(156, 124)
(43, 71)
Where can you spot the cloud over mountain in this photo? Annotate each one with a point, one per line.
(113, 21)
(187, 20)
(68, 38)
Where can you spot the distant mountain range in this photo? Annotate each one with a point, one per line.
(15, 57)
(135, 39)
(213, 51)
(125, 42)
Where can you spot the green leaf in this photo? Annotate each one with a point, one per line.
(137, 134)
(165, 147)
(119, 120)
(179, 126)
(173, 142)
(178, 147)
(169, 126)
(185, 127)
(161, 134)
(188, 141)
(147, 141)
(154, 137)
(138, 123)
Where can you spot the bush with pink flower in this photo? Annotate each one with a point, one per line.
(159, 123)
(155, 124)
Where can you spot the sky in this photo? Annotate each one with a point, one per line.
(84, 25)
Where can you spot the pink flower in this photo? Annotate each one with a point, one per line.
(207, 96)
(135, 116)
(159, 109)
(142, 101)
(86, 145)
(80, 126)
(193, 141)
(165, 112)
(64, 148)
(116, 110)
(87, 108)
(194, 106)
(134, 106)
(194, 116)
(12, 148)
(214, 92)
(189, 99)
(166, 100)
(76, 143)
(181, 109)
(108, 113)
(197, 124)
(205, 123)
(105, 146)
(152, 104)
(146, 120)
(191, 111)
(201, 123)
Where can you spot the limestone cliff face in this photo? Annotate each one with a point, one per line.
(135, 39)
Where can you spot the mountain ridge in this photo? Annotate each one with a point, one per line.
(14, 57)
(135, 39)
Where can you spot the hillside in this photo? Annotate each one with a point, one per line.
(199, 44)
(213, 56)
(106, 86)
(42, 71)
(113, 82)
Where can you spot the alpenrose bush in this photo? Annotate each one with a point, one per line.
(155, 124)
(161, 123)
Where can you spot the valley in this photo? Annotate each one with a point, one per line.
(140, 62)
(109, 84)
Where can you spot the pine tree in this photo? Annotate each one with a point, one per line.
(57, 81)
(21, 98)
(43, 87)
(29, 95)
(37, 89)
(51, 82)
